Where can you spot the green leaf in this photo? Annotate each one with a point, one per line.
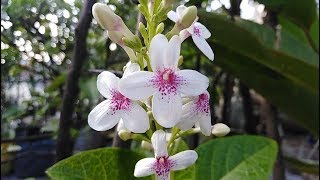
(103, 163)
(302, 13)
(286, 78)
(314, 32)
(237, 157)
(185, 174)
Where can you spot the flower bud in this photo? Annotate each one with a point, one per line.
(220, 129)
(188, 17)
(108, 20)
(124, 134)
(116, 37)
(160, 28)
(146, 145)
(104, 15)
(167, 3)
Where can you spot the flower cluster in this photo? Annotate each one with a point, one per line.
(153, 92)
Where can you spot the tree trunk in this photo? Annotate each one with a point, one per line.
(64, 141)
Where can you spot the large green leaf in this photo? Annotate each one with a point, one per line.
(103, 163)
(236, 158)
(300, 12)
(289, 82)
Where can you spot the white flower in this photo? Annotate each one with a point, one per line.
(197, 111)
(165, 83)
(108, 113)
(198, 32)
(176, 16)
(162, 164)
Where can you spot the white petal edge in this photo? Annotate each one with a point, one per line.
(173, 52)
(159, 143)
(121, 126)
(144, 167)
(180, 10)
(204, 32)
(173, 16)
(131, 68)
(183, 159)
(135, 119)
(167, 109)
(194, 83)
(101, 118)
(204, 47)
(184, 34)
(106, 82)
(205, 124)
(158, 44)
(137, 86)
(189, 117)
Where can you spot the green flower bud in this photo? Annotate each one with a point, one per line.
(167, 3)
(220, 130)
(160, 28)
(124, 134)
(188, 17)
(146, 145)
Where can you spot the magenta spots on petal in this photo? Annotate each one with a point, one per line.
(162, 166)
(202, 104)
(167, 81)
(119, 101)
(196, 31)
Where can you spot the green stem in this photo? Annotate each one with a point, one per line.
(175, 131)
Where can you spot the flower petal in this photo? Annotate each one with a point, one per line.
(102, 117)
(173, 16)
(121, 126)
(204, 47)
(194, 84)
(131, 68)
(167, 108)
(183, 159)
(158, 44)
(159, 143)
(173, 52)
(106, 82)
(136, 119)
(184, 34)
(204, 32)
(165, 176)
(189, 117)
(180, 10)
(144, 167)
(137, 86)
(205, 124)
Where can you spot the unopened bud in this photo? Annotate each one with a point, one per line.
(124, 134)
(188, 16)
(133, 42)
(160, 28)
(167, 3)
(146, 145)
(220, 129)
(104, 15)
(116, 37)
(108, 20)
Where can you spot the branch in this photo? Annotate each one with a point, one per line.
(64, 141)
